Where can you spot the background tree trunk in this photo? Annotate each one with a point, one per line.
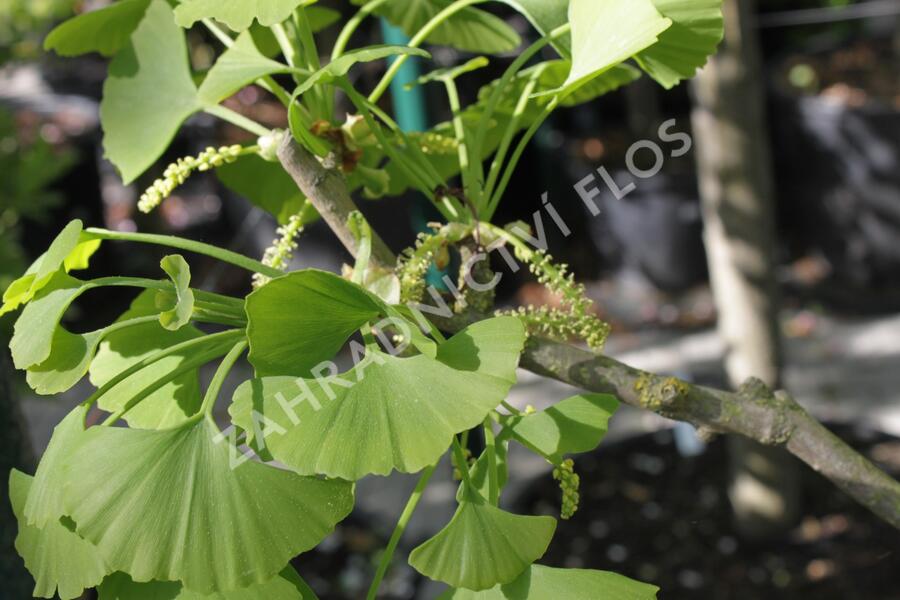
(15, 452)
(737, 192)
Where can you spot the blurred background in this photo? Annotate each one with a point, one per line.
(783, 218)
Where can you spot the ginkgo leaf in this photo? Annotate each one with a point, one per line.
(180, 272)
(237, 14)
(148, 94)
(546, 16)
(45, 502)
(168, 505)
(325, 311)
(59, 560)
(574, 425)
(239, 66)
(607, 33)
(321, 18)
(119, 586)
(55, 358)
(106, 30)
(265, 184)
(35, 328)
(342, 65)
(71, 250)
(388, 413)
(479, 473)
(540, 583)
(171, 404)
(697, 28)
(471, 29)
(507, 544)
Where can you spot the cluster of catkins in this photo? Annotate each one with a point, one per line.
(279, 254)
(575, 317)
(178, 172)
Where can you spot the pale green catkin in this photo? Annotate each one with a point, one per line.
(178, 172)
(569, 483)
(414, 264)
(279, 254)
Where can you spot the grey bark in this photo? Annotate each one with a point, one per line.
(737, 193)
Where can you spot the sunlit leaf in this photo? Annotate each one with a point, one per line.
(174, 402)
(342, 65)
(236, 68)
(541, 583)
(106, 30)
(697, 28)
(179, 315)
(297, 321)
(71, 250)
(57, 558)
(167, 505)
(148, 94)
(506, 545)
(471, 29)
(574, 425)
(607, 33)
(237, 14)
(119, 586)
(388, 413)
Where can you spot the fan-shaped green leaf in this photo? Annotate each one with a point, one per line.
(607, 33)
(71, 250)
(387, 413)
(342, 65)
(297, 321)
(167, 505)
(148, 94)
(119, 586)
(546, 16)
(45, 502)
(577, 424)
(321, 18)
(541, 583)
(180, 272)
(57, 558)
(34, 330)
(238, 67)
(506, 545)
(471, 29)
(265, 184)
(697, 28)
(237, 14)
(105, 30)
(171, 404)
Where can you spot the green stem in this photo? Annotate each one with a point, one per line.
(500, 89)
(186, 367)
(460, 131)
(325, 93)
(237, 119)
(155, 358)
(491, 448)
(509, 407)
(138, 282)
(508, 135)
(417, 41)
(405, 516)
(215, 386)
(517, 156)
(221, 254)
(288, 49)
(352, 25)
(462, 464)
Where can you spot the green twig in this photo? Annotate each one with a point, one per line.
(215, 386)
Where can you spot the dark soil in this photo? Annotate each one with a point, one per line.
(653, 515)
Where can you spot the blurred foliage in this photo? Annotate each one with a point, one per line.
(29, 169)
(23, 24)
